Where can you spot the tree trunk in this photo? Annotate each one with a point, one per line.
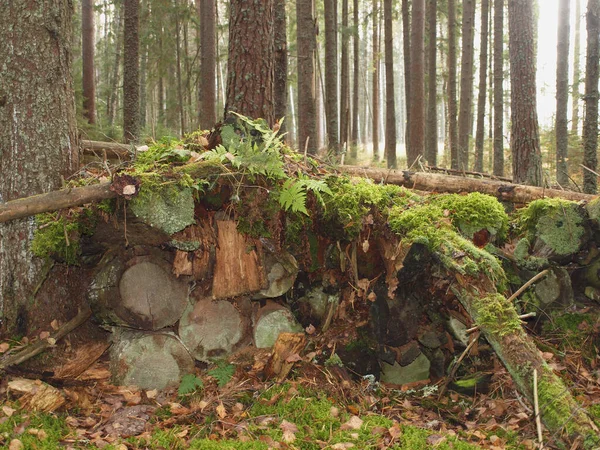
(180, 102)
(465, 115)
(431, 135)
(344, 79)
(331, 75)
(416, 143)
(590, 121)
(111, 103)
(483, 49)
(375, 80)
(38, 146)
(131, 72)
(281, 63)
(407, 74)
(390, 103)
(87, 54)
(306, 44)
(452, 101)
(355, 81)
(208, 48)
(562, 92)
(250, 66)
(498, 87)
(576, 68)
(525, 138)
(144, 23)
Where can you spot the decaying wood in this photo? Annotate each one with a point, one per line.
(285, 353)
(40, 346)
(467, 172)
(55, 200)
(112, 149)
(37, 395)
(506, 192)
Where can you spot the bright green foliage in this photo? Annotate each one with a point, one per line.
(189, 384)
(222, 373)
(293, 197)
(496, 314)
(53, 425)
(424, 224)
(166, 151)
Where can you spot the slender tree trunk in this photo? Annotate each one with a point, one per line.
(416, 143)
(525, 138)
(131, 72)
(483, 49)
(355, 81)
(590, 120)
(498, 87)
(576, 68)
(111, 104)
(407, 67)
(390, 104)
(562, 92)
(431, 135)
(144, 67)
(331, 75)
(207, 96)
(465, 114)
(344, 79)
(452, 101)
(250, 66)
(87, 46)
(38, 140)
(281, 63)
(375, 81)
(306, 45)
(181, 102)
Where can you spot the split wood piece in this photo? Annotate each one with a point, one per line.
(112, 149)
(53, 201)
(38, 347)
(37, 395)
(285, 353)
(505, 192)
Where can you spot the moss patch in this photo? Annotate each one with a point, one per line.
(169, 208)
(495, 313)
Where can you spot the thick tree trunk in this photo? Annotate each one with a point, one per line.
(576, 68)
(390, 102)
(344, 79)
(131, 72)
(525, 137)
(416, 143)
(355, 80)
(281, 64)
(407, 67)
(498, 88)
(250, 66)
(590, 121)
(562, 92)
(452, 105)
(331, 75)
(375, 81)
(483, 49)
(208, 48)
(465, 114)
(87, 52)
(431, 134)
(38, 146)
(306, 44)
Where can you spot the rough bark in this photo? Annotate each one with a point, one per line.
(498, 88)
(306, 44)
(390, 103)
(576, 68)
(562, 92)
(452, 101)
(281, 63)
(208, 49)
(331, 75)
(431, 135)
(250, 66)
(87, 58)
(407, 67)
(465, 114)
(375, 81)
(344, 79)
(483, 54)
(416, 143)
(590, 121)
(131, 72)
(525, 138)
(38, 146)
(112, 100)
(178, 77)
(355, 80)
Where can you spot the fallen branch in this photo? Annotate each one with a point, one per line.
(464, 354)
(112, 149)
(507, 192)
(467, 172)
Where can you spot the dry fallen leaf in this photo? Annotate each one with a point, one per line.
(4, 346)
(289, 431)
(354, 423)
(54, 324)
(342, 446)
(435, 439)
(44, 335)
(335, 412)
(15, 444)
(221, 411)
(8, 411)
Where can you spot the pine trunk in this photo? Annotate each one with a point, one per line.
(407, 67)
(281, 63)
(306, 44)
(344, 79)
(416, 141)
(331, 75)
(465, 114)
(483, 49)
(375, 81)
(355, 81)
(131, 72)
(590, 121)
(87, 57)
(390, 104)
(208, 47)
(498, 88)
(452, 100)
(431, 135)
(576, 68)
(562, 93)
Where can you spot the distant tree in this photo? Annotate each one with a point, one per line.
(390, 104)
(498, 162)
(576, 69)
(280, 86)
(452, 101)
(562, 92)
(344, 78)
(331, 75)
(87, 53)
(483, 53)
(525, 138)
(407, 66)
(431, 134)
(590, 121)
(306, 45)
(113, 91)
(355, 80)
(38, 143)
(249, 65)
(131, 72)
(207, 96)
(465, 114)
(417, 84)
(375, 85)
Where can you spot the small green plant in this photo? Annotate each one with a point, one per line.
(222, 373)
(189, 384)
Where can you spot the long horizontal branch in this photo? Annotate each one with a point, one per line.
(112, 149)
(508, 192)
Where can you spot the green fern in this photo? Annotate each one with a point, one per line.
(222, 373)
(293, 197)
(189, 384)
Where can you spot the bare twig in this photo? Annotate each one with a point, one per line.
(536, 407)
(464, 354)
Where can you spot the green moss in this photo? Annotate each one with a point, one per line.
(593, 209)
(334, 360)
(53, 425)
(169, 207)
(423, 224)
(572, 331)
(495, 313)
(527, 261)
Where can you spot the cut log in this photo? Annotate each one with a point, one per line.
(213, 329)
(285, 353)
(148, 360)
(112, 149)
(506, 192)
(281, 268)
(271, 320)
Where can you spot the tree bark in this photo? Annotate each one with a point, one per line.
(306, 44)
(38, 144)
(331, 75)
(344, 79)
(206, 90)
(465, 114)
(355, 81)
(416, 143)
(131, 72)
(562, 92)
(525, 137)
(281, 63)
(375, 81)
(87, 57)
(576, 68)
(407, 67)
(483, 54)
(431, 135)
(390, 103)
(112, 101)
(250, 66)
(498, 88)
(590, 121)
(452, 101)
